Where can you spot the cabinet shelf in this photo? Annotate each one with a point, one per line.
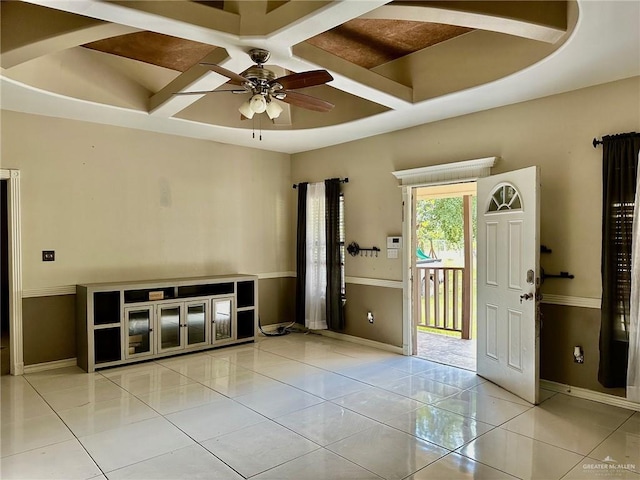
(106, 325)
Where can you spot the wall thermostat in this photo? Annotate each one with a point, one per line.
(394, 242)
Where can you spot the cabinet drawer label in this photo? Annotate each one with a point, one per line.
(156, 295)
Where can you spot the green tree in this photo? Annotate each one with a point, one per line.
(442, 219)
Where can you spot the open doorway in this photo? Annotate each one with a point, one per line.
(444, 274)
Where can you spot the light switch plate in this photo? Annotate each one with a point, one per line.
(48, 256)
(392, 253)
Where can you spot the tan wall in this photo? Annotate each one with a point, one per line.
(276, 300)
(384, 303)
(554, 133)
(120, 204)
(562, 329)
(48, 328)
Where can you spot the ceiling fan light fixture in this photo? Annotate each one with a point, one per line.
(246, 110)
(258, 103)
(273, 110)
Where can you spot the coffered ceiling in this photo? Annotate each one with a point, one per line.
(395, 63)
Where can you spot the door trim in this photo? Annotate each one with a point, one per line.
(16, 354)
(455, 172)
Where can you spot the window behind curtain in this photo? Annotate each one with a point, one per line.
(620, 238)
(316, 252)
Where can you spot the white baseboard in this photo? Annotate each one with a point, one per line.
(360, 341)
(341, 336)
(589, 395)
(41, 367)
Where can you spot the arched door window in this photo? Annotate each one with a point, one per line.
(504, 197)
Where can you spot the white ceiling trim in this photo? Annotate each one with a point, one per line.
(123, 15)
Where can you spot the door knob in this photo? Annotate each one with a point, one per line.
(526, 296)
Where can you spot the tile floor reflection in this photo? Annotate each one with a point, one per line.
(302, 407)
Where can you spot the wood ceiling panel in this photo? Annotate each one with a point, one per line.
(154, 48)
(219, 4)
(373, 42)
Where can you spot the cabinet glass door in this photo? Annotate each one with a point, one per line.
(196, 323)
(139, 340)
(223, 328)
(170, 325)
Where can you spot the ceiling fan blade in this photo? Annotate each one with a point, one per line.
(303, 79)
(305, 101)
(235, 78)
(209, 91)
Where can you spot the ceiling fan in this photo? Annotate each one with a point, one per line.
(264, 87)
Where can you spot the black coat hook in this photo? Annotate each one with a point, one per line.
(354, 249)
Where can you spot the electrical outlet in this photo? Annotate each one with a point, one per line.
(370, 317)
(48, 256)
(578, 354)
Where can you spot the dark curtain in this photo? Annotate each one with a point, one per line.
(301, 253)
(335, 308)
(619, 169)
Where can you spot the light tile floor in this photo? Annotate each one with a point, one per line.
(302, 407)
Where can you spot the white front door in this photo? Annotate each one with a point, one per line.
(507, 278)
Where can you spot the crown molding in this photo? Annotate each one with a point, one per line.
(466, 171)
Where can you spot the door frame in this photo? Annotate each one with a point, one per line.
(16, 353)
(456, 172)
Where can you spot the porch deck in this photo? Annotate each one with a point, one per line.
(448, 350)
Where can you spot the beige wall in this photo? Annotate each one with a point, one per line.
(119, 204)
(554, 133)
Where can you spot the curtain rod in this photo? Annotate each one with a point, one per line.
(342, 180)
(597, 142)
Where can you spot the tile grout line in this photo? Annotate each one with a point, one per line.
(283, 382)
(173, 424)
(68, 428)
